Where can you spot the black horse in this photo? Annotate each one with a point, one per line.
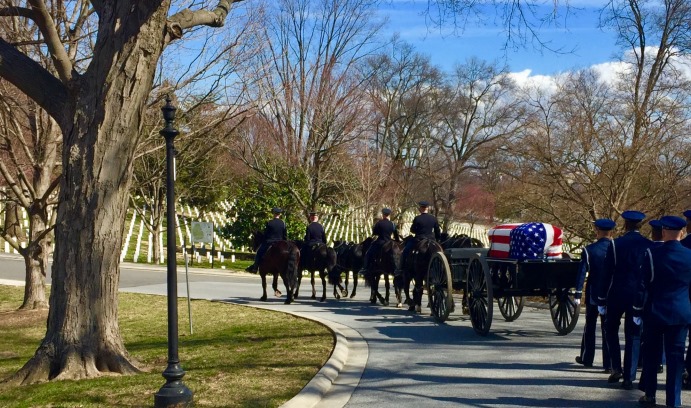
(349, 257)
(415, 268)
(282, 258)
(322, 258)
(386, 260)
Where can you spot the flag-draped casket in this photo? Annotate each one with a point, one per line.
(533, 240)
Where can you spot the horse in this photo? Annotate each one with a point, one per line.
(385, 261)
(416, 269)
(460, 241)
(281, 258)
(323, 259)
(349, 258)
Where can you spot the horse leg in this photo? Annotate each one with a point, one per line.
(322, 275)
(352, 294)
(297, 288)
(263, 275)
(289, 296)
(314, 291)
(387, 286)
(277, 292)
(344, 289)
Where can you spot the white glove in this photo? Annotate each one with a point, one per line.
(577, 302)
(602, 310)
(637, 320)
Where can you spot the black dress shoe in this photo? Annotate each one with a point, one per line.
(615, 377)
(627, 385)
(646, 401)
(579, 360)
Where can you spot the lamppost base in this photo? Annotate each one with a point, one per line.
(173, 395)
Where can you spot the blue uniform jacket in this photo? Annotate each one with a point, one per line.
(383, 229)
(275, 230)
(663, 293)
(315, 234)
(425, 226)
(592, 262)
(623, 269)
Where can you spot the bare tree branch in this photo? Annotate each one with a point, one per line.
(57, 51)
(188, 18)
(32, 79)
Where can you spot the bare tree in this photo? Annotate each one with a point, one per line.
(310, 96)
(97, 99)
(29, 166)
(477, 113)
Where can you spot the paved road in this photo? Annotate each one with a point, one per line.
(397, 359)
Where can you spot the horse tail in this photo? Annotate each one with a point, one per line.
(292, 267)
(334, 271)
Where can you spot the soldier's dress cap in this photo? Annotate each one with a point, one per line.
(655, 223)
(633, 215)
(386, 211)
(423, 203)
(687, 213)
(672, 222)
(276, 210)
(312, 213)
(604, 224)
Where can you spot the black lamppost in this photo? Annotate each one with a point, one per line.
(174, 393)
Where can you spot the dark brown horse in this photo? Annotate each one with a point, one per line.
(349, 258)
(319, 258)
(282, 258)
(385, 261)
(415, 269)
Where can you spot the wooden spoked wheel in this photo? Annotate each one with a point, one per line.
(510, 307)
(439, 289)
(564, 310)
(479, 287)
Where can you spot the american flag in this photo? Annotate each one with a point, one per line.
(532, 240)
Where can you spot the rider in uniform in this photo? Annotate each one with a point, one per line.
(314, 235)
(383, 229)
(425, 226)
(662, 299)
(615, 298)
(275, 230)
(593, 263)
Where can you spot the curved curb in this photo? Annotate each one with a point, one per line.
(335, 382)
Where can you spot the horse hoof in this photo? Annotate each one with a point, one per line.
(313, 297)
(263, 298)
(418, 309)
(323, 299)
(344, 293)
(277, 293)
(287, 302)
(411, 308)
(399, 305)
(386, 303)
(352, 295)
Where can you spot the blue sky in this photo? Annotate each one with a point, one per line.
(578, 32)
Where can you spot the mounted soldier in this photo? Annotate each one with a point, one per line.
(274, 231)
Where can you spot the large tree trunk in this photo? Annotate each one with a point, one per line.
(83, 337)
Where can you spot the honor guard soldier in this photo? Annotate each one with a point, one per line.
(663, 302)
(275, 230)
(314, 235)
(687, 240)
(593, 263)
(384, 229)
(425, 225)
(656, 237)
(615, 299)
(656, 232)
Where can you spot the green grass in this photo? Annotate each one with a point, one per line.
(237, 357)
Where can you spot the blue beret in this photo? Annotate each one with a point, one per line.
(423, 203)
(633, 215)
(655, 223)
(687, 213)
(386, 211)
(276, 210)
(672, 222)
(604, 224)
